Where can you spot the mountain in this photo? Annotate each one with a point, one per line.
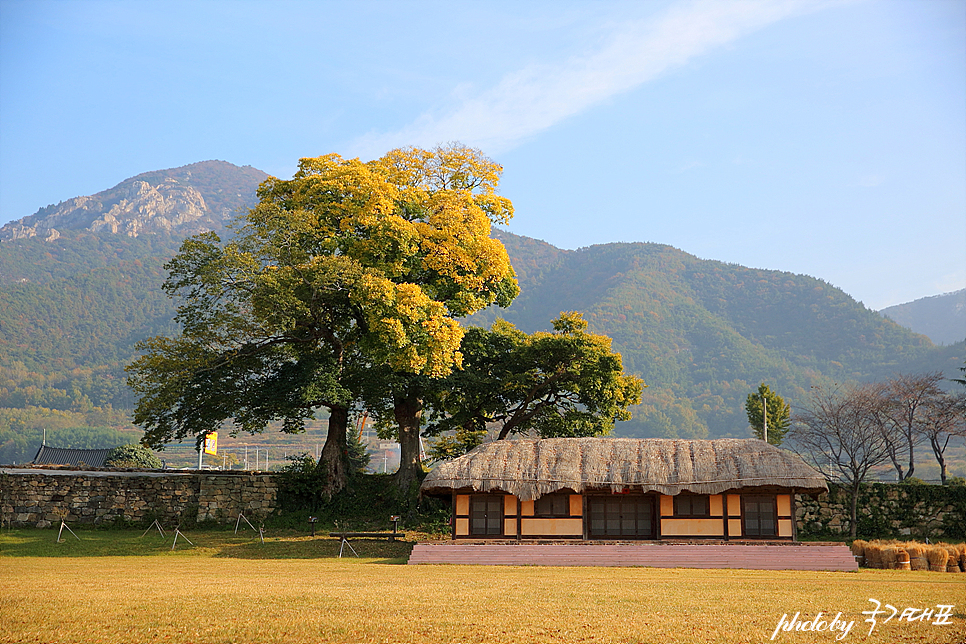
(184, 201)
(80, 285)
(941, 317)
(703, 334)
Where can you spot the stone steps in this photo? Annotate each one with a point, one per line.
(663, 555)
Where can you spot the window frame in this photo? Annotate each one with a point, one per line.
(553, 498)
(646, 501)
(487, 499)
(690, 514)
(746, 516)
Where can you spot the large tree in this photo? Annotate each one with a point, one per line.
(346, 270)
(945, 418)
(766, 409)
(567, 382)
(906, 404)
(838, 431)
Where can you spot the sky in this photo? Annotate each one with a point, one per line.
(826, 138)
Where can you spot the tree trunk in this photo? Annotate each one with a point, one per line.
(912, 461)
(334, 461)
(940, 457)
(408, 411)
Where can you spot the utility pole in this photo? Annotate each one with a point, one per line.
(764, 417)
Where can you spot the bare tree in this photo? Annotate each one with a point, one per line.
(945, 418)
(907, 401)
(839, 431)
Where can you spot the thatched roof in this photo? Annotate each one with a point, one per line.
(530, 468)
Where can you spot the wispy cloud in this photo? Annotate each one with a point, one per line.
(537, 97)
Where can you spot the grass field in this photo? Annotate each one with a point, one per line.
(229, 588)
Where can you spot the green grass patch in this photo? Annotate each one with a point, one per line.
(221, 543)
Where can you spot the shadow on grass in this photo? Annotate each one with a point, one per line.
(316, 548)
(212, 544)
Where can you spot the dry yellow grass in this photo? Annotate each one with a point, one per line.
(219, 600)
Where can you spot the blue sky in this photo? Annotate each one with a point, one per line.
(826, 138)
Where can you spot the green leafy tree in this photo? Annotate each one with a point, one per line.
(347, 270)
(357, 453)
(567, 382)
(132, 455)
(765, 405)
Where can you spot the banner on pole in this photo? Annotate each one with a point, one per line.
(211, 443)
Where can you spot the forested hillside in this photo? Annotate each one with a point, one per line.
(702, 334)
(80, 284)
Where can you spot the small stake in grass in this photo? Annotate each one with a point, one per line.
(345, 542)
(177, 531)
(241, 515)
(63, 524)
(157, 525)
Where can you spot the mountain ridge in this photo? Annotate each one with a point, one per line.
(702, 333)
(940, 317)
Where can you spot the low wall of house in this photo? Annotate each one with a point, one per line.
(886, 511)
(43, 498)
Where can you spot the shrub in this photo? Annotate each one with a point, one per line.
(912, 480)
(134, 456)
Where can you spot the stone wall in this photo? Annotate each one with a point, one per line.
(43, 498)
(886, 511)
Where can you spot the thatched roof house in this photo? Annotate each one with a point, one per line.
(530, 468)
(715, 488)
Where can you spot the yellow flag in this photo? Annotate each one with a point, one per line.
(211, 443)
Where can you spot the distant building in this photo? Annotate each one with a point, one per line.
(48, 455)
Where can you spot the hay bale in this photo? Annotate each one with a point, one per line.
(858, 551)
(937, 556)
(873, 555)
(952, 563)
(917, 556)
(888, 557)
(903, 561)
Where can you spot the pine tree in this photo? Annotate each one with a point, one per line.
(774, 413)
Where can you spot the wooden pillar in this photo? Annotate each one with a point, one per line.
(452, 515)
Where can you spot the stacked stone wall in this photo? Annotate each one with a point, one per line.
(98, 497)
(886, 511)
(221, 498)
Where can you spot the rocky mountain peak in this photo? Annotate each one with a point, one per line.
(186, 200)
